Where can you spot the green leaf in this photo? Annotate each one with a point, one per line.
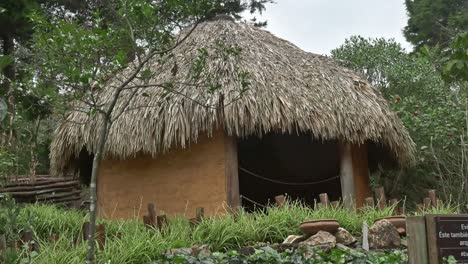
(5, 61)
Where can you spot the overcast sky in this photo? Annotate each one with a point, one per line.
(319, 26)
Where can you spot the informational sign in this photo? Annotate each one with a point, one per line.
(447, 236)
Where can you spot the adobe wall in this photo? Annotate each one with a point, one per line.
(177, 182)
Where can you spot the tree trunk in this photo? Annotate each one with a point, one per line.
(93, 188)
(9, 72)
(34, 143)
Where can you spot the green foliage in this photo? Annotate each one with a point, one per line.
(456, 61)
(433, 22)
(302, 255)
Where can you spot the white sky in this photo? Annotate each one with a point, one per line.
(319, 26)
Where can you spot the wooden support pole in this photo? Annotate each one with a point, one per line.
(232, 173)
(433, 197)
(380, 196)
(346, 176)
(369, 201)
(280, 200)
(324, 199)
(417, 245)
(360, 173)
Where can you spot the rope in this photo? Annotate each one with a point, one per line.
(287, 183)
(252, 201)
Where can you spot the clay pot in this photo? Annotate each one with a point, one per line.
(312, 227)
(398, 221)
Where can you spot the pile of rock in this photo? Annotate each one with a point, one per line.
(381, 235)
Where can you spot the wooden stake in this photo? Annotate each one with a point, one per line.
(101, 236)
(369, 201)
(335, 204)
(200, 213)
(427, 203)
(162, 222)
(324, 199)
(380, 196)
(433, 197)
(280, 200)
(53, 238)
(85, 231)
(147, 221)
(394, 203)
(419, 208)
(152, 214)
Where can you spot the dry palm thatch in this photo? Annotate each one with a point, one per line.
(290, 91)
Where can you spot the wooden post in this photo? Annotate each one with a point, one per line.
(152, 214)
(200, 213)
(232, 173)
(85, 231)
(396, 208)
(280, 200)
(380, 196)
(54, 238)
(369, 201)
(433, 197)
(101, 236)
(360, 173)
(417, 245)
(147, 221)
(324, 199)
(419, 208)
(427, 203)
(26, 238)
(346, 176)
(162, 222)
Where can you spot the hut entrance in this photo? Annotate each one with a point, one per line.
(295, 165)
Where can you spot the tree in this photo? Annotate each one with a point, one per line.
(435, 22)
(77, 61)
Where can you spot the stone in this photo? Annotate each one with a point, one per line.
(383, 235)
(247, 251)
(293, 239)
(344, 237)
(322, 240)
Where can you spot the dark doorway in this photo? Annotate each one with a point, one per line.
(287, 164)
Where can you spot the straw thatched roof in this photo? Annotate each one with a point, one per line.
(290, 91)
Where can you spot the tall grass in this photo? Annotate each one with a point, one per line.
(130, 242)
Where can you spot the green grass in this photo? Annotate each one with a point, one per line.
(130, 242)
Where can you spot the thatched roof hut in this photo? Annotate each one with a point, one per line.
(290, 92)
